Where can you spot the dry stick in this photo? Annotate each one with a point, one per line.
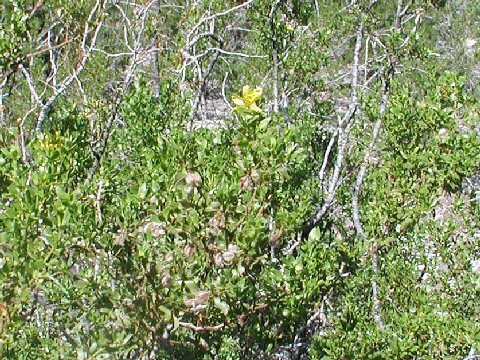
(106, 134)
(274, 56)
(87, 50)
(47, 49)
(203, 84)
(377, 316)
(192, 39)
(317, 9)
(355, 206)
(224, 83)
(285, 94)
(212, 17)
(237, 54)
(201, 92)
(200, 328)
(98, 202)
(365, 66)
(193, 59)
(35, 8)
(298, 342)
(120, 95)
(45, 105)
(31, 86)
(82, 90)
(402, 14)
(2, 107)
(22, 141)
(472, 355)
(200, 99)
(53, 62)
(157, 86)
(326, 157)
(343, 133)
(398, 17)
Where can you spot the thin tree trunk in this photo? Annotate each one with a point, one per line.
(156, 69)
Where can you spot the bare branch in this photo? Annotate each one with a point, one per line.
(223, 91)
(87, 49)
(201, 328)
(355, 201)
(274, 55)
(22, 142)
(214, 16)
(31, 86)
(398, 18)
(98, 202)
(139, 56)
(2, 107)
(205, 29)
(343, 131)
(53, 62)
(113, 55)
(368, 159)
(237, 54)
(326, 157)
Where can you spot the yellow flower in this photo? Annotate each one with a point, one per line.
(289, 28)
(248, 99)
(49, 143)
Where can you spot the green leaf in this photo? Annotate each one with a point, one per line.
(142, 191)
(222, 306)
(167, 313)
(264, 123)
(192, 286)
(314, 234)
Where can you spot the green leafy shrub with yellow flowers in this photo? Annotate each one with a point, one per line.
(173, 245)
(194, 243)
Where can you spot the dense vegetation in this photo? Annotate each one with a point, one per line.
(261, 179)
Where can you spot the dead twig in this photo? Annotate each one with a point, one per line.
(355, 202)
(345, 125)
(98, 202)
(139, 56)
(201, 328)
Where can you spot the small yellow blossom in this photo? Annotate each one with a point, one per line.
(289, 28)
(49, 143)
(248, 99)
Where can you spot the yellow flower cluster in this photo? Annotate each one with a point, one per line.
(49, 143)
(248, 99)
